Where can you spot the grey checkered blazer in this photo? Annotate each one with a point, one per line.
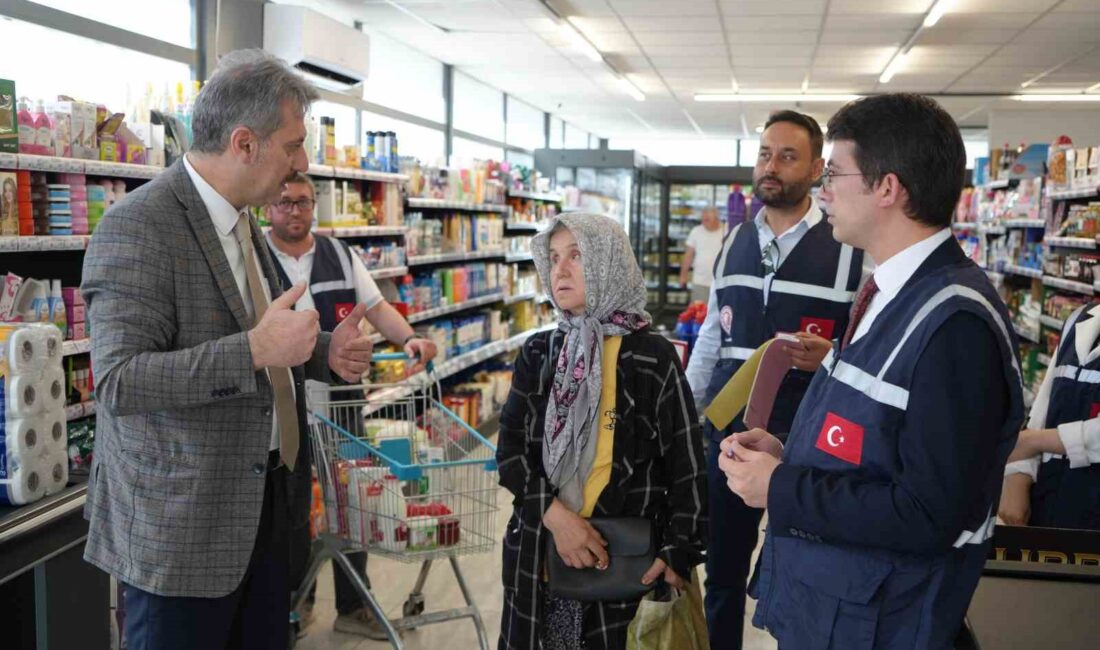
(183, 421)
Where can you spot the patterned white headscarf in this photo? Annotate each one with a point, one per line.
(615, 297)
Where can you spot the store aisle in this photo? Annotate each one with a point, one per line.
(482, 572)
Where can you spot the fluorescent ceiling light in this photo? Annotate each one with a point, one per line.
(892, 68)
(1036, 97)
(733, 84)
(630, 89)
(780, 97)
(1092, 88)
(578, 38)
(760, 129)
(936, 12)
(415, 16)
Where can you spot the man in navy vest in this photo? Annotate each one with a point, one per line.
(339, 286)
(781, 271)
(882, 503)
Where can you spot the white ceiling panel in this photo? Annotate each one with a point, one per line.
(595, 25)
(829, 55)
(966, 36)
(883, 22)
(1070, 6)
(741, 37)
(660, 38)
(649, 8)
(772, 23)
(1001, 6)
(879, 7)
(687, 49)
(673, 24)
(770, 8)
(1069, 21)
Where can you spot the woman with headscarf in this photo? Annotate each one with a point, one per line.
(599, 422)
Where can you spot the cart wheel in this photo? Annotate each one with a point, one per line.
(414, 606)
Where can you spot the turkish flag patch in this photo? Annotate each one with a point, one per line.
(343, 310)
(841, 438)
(822, 327)
(1095, 410)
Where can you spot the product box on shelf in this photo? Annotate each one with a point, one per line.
(9, 204)
(9, 127)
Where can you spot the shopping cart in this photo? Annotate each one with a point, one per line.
(406, 478)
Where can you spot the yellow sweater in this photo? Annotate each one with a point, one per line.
(600, 475)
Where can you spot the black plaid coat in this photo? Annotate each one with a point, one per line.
(658, 471)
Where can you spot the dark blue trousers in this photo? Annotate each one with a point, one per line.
(254, 615)
(734, 528)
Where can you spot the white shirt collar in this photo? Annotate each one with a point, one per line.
(281, 254)
(222, 212)
(809, 220)
(891, 275)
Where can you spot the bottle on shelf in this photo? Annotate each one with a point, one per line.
(43, 130)
(27, 133)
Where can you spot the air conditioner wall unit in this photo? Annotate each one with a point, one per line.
(331, 52)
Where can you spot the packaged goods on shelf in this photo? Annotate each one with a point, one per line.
(459, 232)
(479, 184)
(386, 255)
(519, 244)
(449, 285)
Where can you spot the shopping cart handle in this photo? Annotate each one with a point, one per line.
(395, 356)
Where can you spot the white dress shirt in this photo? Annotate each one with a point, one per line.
(225, 216)
(299, 270)
(705, 353)
(891, 276)
(1081, 438)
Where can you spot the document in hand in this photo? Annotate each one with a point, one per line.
(754, 386)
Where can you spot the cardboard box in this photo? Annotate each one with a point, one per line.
(9, 205)
(9, 125)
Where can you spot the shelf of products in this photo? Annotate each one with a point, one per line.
(81, 346)
(456, 205)
(1027, 272)
(518, 257)
(1025, 333)
(392, 272)
(1082, 193)
(440, 258)
(535, 196)
(58, 164)
(1043, 359)
(1052, 322)
(522, 225)
(1024, 223)
(450, 309)
(520, 297)
(330, 171)
(79, 410)
(1071, 242)
(33, 244)
(1068, 285)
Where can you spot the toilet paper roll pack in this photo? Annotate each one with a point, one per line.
(53, 389)
(22, 349)
(22, 458)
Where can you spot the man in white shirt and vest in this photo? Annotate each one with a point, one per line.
(881, 504)
(781, 271)
(338, 281)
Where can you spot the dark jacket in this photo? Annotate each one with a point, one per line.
(658, 471)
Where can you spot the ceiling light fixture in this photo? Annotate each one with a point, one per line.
(573, 33)
(937, 11)
(776, 98)
(893, 67)
(805, 84)
(760, 128)
(733, 84)
(1093, 88)
(629, 88)
(417, 17)
(1037, 97)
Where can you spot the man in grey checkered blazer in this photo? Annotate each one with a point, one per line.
(195, 475)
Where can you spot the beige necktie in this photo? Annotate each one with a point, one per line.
(280, 377)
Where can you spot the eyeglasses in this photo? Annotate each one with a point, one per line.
(286, 205)
(769, 257)
(828, 175)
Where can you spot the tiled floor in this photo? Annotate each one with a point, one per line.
(393, 580)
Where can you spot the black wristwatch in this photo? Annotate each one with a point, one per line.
(409, 338)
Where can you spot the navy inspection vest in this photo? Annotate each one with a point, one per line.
(331, 282)
(814, 593)
(1065, 497)
(812, 291)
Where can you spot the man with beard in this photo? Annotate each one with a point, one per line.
(780, 272)
(338, 281)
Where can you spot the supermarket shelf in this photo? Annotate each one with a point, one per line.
(994, 277)
(520, 297)
(1080, 193)
(996, 185)
(518, 257)
(79, 410)
(439, 258)
(1012, 269)
(1027, 334)
(1043, 359)
(329, 171)
(44, 243)
(450, 367)
(522, 225)
(965, 225)
(59, 164)
(429, 314)
(1071, 242)
(1024, 223)
(391, 272)
(1050, 321)
(520, 194)
(366, 231)
(992, 230)
(80, 346)
(457, 205)
(1068, 285)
